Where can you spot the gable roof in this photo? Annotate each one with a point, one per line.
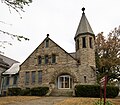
(64, 50)
(3, 64)
(54, 43)
(84, 26)
(8, 60)
(14, 69)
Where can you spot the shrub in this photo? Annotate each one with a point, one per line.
(25, 92)
(39, 91)
(87, 91)
(94, 91)
(14, 91)
(112, 91)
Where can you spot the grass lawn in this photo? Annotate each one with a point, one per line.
(13, 99)
(85, 101)
(69, 101)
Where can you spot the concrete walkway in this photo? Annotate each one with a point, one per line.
(42, 101)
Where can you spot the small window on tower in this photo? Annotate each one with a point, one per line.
(77, 44)
(47, 43)
(83, 42)
(90, 42)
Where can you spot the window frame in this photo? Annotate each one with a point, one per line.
(33, 77)
(46, 59)
(7, 81)
(39, 60)
(62, 84)
(15, 78)
(53, 58)
(40, 76)
(47, 43)
(27, 77)
(90, 42)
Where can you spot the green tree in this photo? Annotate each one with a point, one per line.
(108, 55)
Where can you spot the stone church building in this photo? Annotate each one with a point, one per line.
(50, 65)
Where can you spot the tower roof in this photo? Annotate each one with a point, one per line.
(84, 26)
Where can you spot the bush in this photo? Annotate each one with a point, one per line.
(14, 91)
(94, 91)
(25, 92)
(39, 91)
(87, 91)
(112, 91)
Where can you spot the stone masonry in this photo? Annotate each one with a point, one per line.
(68, 69)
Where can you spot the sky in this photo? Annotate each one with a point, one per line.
(59, 19)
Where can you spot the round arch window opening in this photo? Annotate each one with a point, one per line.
(64, 82)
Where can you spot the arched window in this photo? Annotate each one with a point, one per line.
(47, 43)
(64, 82)
(90, 42)
(83, 42)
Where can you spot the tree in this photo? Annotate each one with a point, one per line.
(108, 55)
(17, 5)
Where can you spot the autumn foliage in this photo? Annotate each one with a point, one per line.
(108, 55)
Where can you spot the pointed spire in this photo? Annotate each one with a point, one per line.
(84, 26)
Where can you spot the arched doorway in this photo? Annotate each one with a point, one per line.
(64, 82)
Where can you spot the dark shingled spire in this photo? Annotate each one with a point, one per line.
(84, 26)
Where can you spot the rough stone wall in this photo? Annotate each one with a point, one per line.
(64, 64)
(86, 55)
(87, 73)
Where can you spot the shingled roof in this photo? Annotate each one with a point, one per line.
(84, 26)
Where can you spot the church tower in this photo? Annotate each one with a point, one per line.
(85, 42)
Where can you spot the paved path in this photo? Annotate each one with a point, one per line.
(41, 101)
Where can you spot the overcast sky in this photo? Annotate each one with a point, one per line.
(59, 19)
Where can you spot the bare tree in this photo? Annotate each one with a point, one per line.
(17, 5)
